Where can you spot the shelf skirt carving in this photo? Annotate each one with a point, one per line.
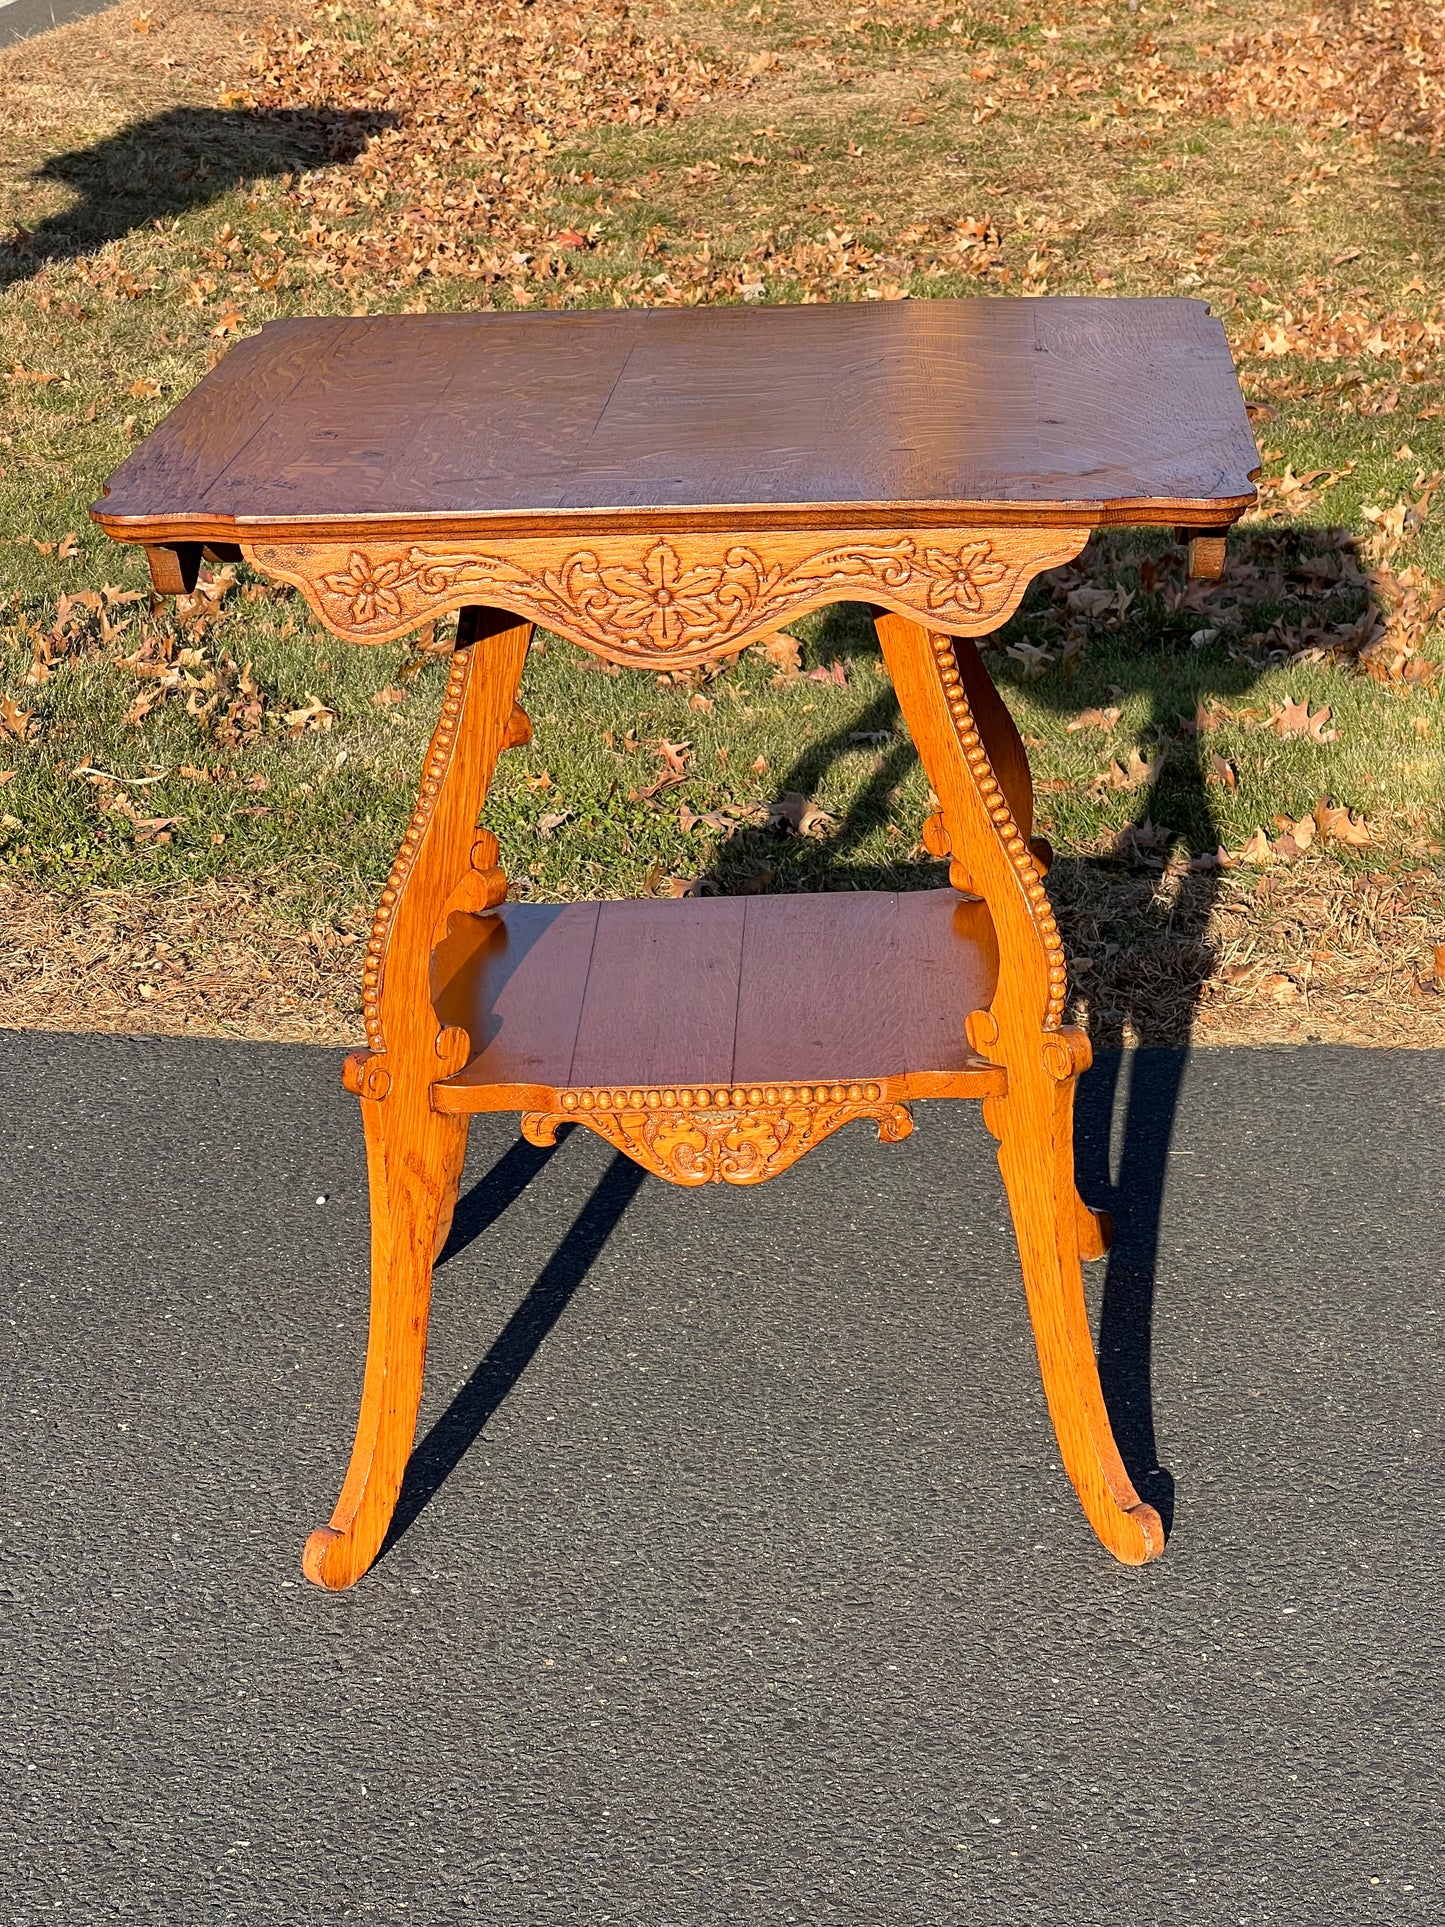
(667, 601)
(713, 1134)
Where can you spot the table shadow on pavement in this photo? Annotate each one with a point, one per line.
(757, 1594)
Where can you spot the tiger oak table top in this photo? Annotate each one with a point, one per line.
(924, 413)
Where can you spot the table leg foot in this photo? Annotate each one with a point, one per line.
(1096, 1231)
(414, 1164)
(1036, 1158)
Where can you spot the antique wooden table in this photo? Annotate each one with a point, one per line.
(664, 487)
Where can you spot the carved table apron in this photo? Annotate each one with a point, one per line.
(663, 488)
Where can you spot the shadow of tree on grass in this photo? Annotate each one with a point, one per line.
(158, 169)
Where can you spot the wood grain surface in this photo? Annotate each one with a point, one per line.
(720, 990)
(924, 413)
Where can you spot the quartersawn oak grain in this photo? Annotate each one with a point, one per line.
(910, 413)
(661, 487)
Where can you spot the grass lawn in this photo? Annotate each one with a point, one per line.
(1244, 782)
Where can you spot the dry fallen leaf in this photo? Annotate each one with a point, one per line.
(314, 714)
(1278, 987)
(1295, 837)
(784, 653)
(1294, 719)
(552, 821)
(14, 721)
(1137, 773)
(1095, 719)
(796, 813)
(1337, 825)
(675, 755)
(1222, 771)
(1142, 839)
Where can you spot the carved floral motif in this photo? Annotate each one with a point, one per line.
(639, 600)
(713, 1134)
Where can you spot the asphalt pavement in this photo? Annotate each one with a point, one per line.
(738, 1580)
(19, 19)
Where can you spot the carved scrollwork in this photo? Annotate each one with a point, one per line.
(718, 1135)
(660, 600)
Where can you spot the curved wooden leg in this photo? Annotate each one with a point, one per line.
(936, 681)
(1036, 1158)
(414, 1154)
(414, 1158)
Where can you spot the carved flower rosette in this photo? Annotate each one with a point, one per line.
(663, 601)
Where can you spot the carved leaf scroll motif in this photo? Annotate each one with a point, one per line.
(706, 1136)
(661, 601)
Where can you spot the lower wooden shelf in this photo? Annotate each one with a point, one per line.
(717, 1002)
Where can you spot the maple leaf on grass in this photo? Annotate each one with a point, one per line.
(1337, 825)
(1257, 850)
(313, 714)
(794, 812)
(785, 654)
(1133, 776)
(15, 722)
(1143, 840)
(1223, 772)
(1295, 837)
(1295, 719)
